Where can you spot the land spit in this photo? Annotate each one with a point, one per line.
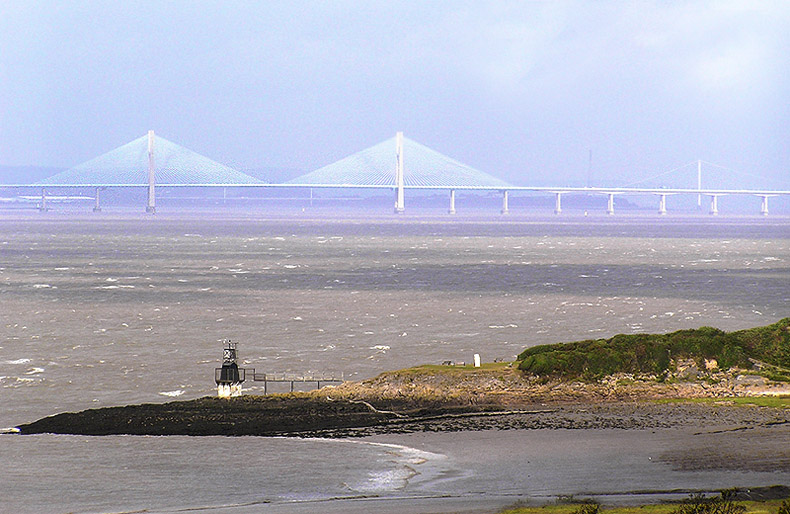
(436, 399)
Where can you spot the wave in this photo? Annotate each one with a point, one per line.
(177, 392)
(18, 361)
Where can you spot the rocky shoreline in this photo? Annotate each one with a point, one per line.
(409, 401)
(296, 415)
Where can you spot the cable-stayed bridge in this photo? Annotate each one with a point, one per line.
(397, 164)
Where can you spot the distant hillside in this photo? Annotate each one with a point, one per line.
(26, 174)
(659, 353)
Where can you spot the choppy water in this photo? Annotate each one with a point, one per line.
(107, 311)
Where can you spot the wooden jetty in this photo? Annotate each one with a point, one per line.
(230, 376)
(268, 378)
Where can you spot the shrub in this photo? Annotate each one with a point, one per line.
(653, 353)
(588, 508)
(722, 504)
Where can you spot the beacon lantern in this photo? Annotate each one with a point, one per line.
(229, 377)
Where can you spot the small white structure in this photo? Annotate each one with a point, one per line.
(477, 360)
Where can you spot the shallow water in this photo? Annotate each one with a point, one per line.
(108, 311)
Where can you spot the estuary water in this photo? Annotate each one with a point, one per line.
(117, 309)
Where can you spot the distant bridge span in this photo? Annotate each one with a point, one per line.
(557, 191)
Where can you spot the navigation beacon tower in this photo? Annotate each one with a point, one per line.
(229, 377)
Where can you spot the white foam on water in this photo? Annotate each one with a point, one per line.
(41, 286)
(177, 392)
(34, 371)
(403, 462)
(18, 361)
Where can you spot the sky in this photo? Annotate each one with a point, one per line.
(525, 91)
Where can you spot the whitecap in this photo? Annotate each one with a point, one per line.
(381, 347)
(41, 286)
(177, 392)
(34, 371)
(18, 361)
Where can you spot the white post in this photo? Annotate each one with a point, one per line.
(558, 203)
(96, 206)
(477, 360)
(504, 202)
(151, 207)
(43, 207)
(399, 200)
(662, 205)
(764, 206)
(451, 210)
(714, 205)
(610, 204)
(699, 184)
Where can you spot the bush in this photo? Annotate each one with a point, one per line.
(722, 504)
(784, 508)
(653, 353)
(588, 508)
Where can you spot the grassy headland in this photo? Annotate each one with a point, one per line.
(700, 363)
(766, 348)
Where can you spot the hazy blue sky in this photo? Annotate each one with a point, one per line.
(521, 90)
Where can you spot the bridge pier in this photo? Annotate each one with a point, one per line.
(43, 207)
(557, 203)
(714, 205)
(610, 204)
(151, 205)
(504, 202)
(96, 206)
(662, 205)
(451, 210)
(764, 205)
(400, 205)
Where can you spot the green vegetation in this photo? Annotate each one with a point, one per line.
(715, 506)
(775, 402)
(722, 504)
(656, 353)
